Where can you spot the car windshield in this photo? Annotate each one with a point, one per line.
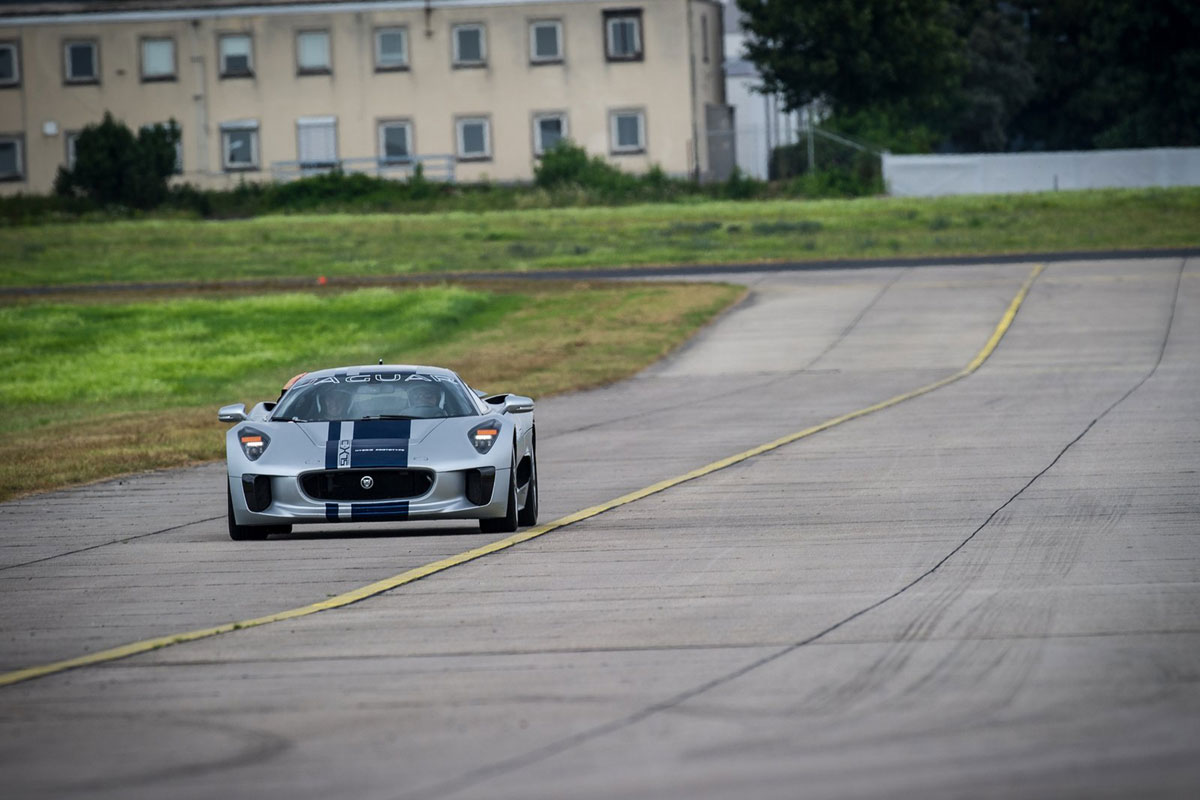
(376, 395)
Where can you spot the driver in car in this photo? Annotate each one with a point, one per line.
(425, 396)
(335, 405)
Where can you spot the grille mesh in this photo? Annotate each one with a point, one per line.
(345, 485)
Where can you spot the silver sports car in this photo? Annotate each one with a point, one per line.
(380, 443)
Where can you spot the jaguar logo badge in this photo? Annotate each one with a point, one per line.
(367, 481)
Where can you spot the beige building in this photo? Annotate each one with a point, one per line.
(472, 89)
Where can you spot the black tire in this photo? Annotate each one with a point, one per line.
(507, 523)
(249, 533)
(528, 514)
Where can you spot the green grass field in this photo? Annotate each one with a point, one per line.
(685, 233)
(94, 388)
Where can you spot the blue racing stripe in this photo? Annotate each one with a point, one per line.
(380, 443)
(379, 511)
(383, 429)
(331, 512)
(331, 445)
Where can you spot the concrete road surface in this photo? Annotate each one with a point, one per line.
(989, 590)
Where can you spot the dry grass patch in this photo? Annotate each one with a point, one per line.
(538, 340)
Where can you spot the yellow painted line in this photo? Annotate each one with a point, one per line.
(378, 587)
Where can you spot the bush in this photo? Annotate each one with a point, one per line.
(115, 168)
(740, 186)
(567, 164)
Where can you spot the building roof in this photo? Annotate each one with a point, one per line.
(44, 8)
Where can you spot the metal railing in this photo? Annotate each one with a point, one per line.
(433, 167)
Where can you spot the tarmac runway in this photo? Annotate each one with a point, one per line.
(988, 589)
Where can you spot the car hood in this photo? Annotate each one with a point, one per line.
(412, 430)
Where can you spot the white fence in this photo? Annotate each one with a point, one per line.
(1009, 173)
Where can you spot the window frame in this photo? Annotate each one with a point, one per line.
(223, 71)
(15, 81)
(614, 146)
(539, 149)
(380, 66)
(613, 16)
(18, 141)
(381, 140)
(325, 70)
(534, 58)
(459, 148)
(456, 60)
(73, 80)
(165, 77)
(250, 126)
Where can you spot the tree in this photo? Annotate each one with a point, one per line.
(1112, 73)
(114, 167)
(900, 58)
(997, 78)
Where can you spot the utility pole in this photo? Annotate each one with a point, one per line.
(812, 150)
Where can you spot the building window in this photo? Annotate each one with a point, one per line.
(704, 36)
(548, 130)
(312, 53)
(82, 62)
(395, 141)
(474, 138)
(391, 49)
(623, 35)
(70, 138)
(545, 42)
(10, 64)
(470, 46)
(158, 59)
(12, 162)
(237, 55)
(628, 131)
(239, 145)
(316, 142)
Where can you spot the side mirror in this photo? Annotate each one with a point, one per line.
(233, 413)
(516, 404)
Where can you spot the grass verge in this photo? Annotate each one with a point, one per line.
(97, 389)
(684, 233)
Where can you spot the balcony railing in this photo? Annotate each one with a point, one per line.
(433, 167)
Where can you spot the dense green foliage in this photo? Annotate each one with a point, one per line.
(987, 75)
(1112, 73)
(113, 167)
(565, 178)
(853, 55)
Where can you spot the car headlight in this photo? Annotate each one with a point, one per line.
(254, 442)
(484, 435)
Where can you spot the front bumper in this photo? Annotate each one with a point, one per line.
(446, 498)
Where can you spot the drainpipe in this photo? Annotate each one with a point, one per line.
(692, 80)
(200, 100)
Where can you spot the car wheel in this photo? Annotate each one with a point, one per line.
(507, 523)
(249, 533)
(529, 512)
